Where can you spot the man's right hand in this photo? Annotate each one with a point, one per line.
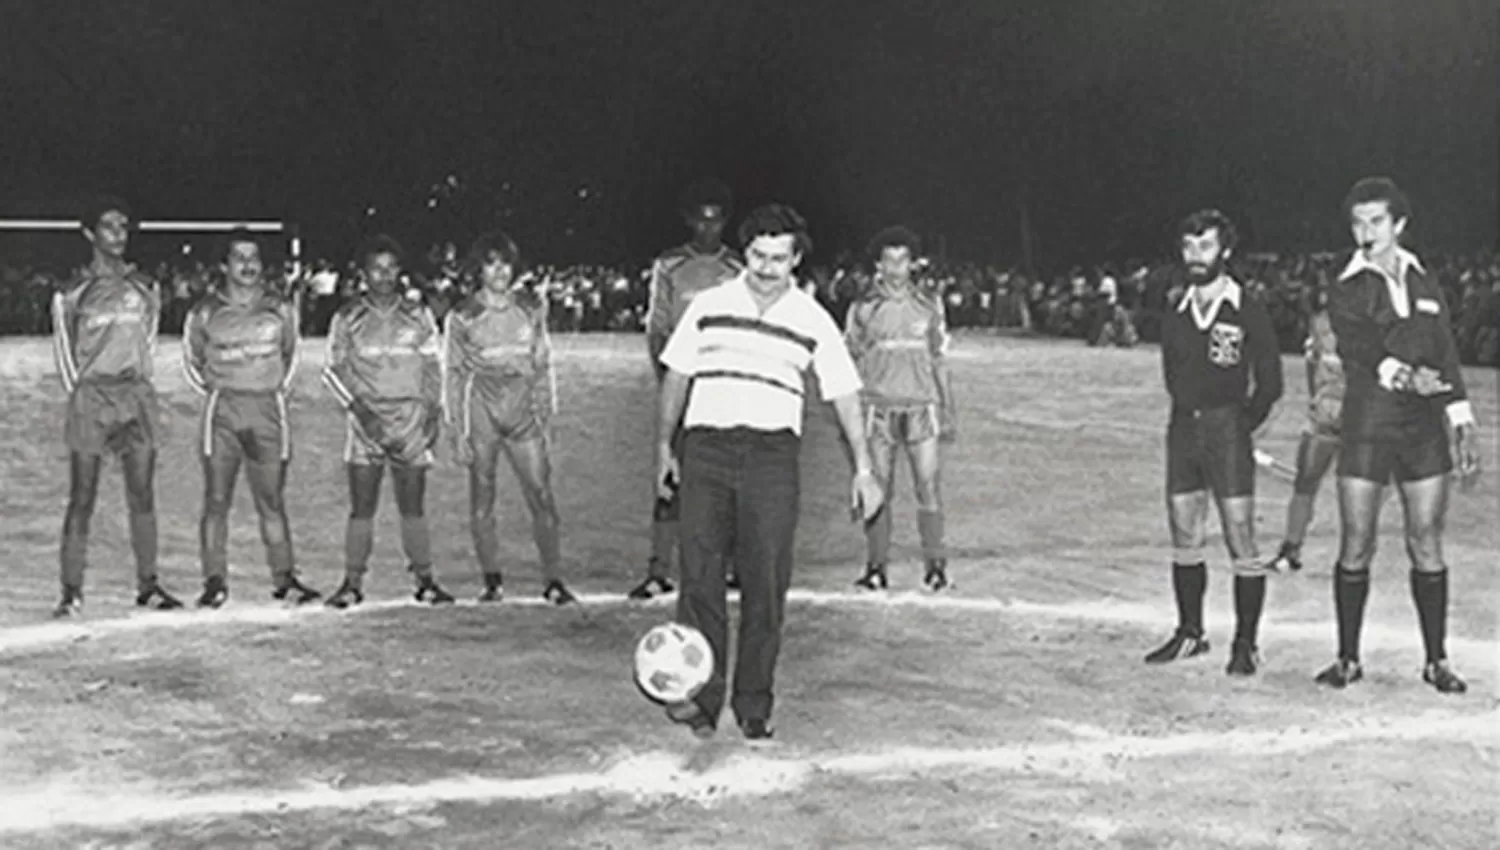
(1429, 382)
(668, 476)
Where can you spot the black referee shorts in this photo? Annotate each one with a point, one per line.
(1210, 450)
(1414, 458)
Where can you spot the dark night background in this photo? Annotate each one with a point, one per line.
(1106, 119)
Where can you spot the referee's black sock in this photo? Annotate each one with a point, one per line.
(1249, 599)
(1189, 581)
(1430, 592)
(1350, 589)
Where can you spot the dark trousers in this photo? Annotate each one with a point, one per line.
(738, 498)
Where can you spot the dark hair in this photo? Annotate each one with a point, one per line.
(897, 236)
(707, 192)
(237, 236)
(101, 205)
(493, 242)
(776, 220)
(379, 243)
(1378, 189)
(1203, 221)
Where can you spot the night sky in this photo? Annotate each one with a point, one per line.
(575, 124)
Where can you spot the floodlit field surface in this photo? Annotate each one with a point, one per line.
(1012, 711)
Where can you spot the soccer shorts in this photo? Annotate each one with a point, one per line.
(1380, 461)
(403, 421)
(246, 424)
(1211, 450)
(501, 411)
(111, 417)
(887, 426)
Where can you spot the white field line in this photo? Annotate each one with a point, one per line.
(1467, 651)
(662, 775)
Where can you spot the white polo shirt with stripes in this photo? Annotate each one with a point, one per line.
(748, 368)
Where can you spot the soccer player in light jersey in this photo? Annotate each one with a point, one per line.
(385, 368)
(1320, 441)
(1404, 392)
(104, 336)
(240, 350)
(499, 392)
(1223, 372)
(898, 337)
(677, 277)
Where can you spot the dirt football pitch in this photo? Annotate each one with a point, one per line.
(1012, 711)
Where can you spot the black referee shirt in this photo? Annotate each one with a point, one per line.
(1225, 354)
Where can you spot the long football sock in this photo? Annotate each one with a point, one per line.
(1189, 582)
(143, 545)
(416, 540)
(1430, 592)
(1350, 590)
(930, 530)
(548, 545)
(1249, 600)
(359, 541)
(878, 536)
(486, 543)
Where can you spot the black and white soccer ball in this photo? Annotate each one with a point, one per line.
(672, 663)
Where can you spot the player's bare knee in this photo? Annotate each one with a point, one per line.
(1187, 555)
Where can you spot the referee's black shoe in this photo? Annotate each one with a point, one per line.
(215, 593)
(1439, 675)
(691, 715)
(1341, 674)
(1181, 645)
(936, 576)
(757, 729)
(155, 596)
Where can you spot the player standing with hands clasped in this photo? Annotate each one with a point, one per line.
(104, 337)
(1403, 376)
(736, 365)
(1215, 347)
(385, 368)
(898, 337)
(240, 350)
(499, 392)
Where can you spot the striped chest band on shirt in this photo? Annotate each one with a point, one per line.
(738, 348)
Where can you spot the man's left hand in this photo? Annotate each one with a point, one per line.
(1428, 382)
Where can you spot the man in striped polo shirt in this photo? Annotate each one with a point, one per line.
(239, 348)
(104, 335)
(744, 348)
(677, 277)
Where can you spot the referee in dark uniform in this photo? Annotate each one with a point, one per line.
(1403, 380)
(1223, 372)
(744, 348)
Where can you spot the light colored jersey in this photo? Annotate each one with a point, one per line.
(248, 346)
(104, 326)
(1325, 373)
(898, 338)
(384, 353)
(495, 349)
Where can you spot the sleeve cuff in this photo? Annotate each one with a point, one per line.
(1460, 413)
(1386, 372)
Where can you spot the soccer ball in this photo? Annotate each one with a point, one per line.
(672, 663)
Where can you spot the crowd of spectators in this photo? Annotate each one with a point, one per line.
(1104, 305)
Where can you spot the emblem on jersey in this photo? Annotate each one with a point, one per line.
(524, 333)
(918, 328)
(132, 301)
(408, 337)
(1224, 344)
(269, 332)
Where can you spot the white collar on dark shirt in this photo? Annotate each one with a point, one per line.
(1396, 286)
(1232, 292)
